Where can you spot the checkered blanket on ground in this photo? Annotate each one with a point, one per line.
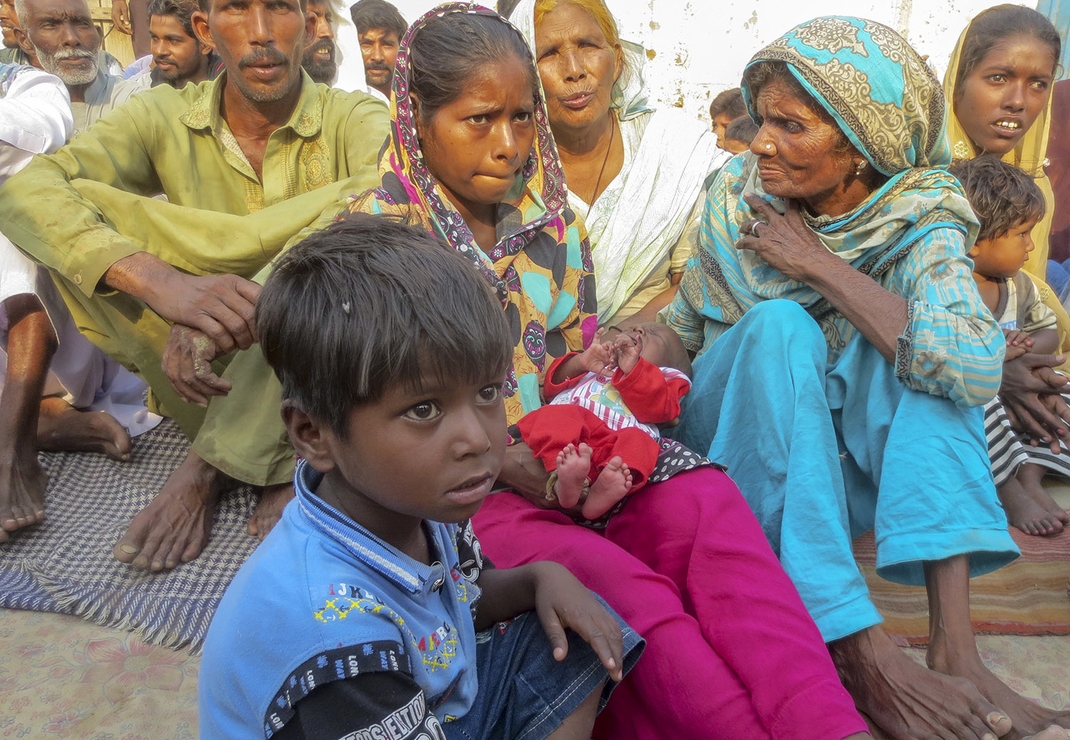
(65, 564)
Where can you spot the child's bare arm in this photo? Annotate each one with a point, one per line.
(1045, 341)
(561, 602)
(1018, 343)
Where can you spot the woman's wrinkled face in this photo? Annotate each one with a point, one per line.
(476, 145)
(800, 154)
(1002, 96)
(577, 65)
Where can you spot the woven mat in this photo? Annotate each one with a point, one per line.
(65, 564)
(1027, 597)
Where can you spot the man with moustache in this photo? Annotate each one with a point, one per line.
(178, 55)
(379, 29)
(263, 142)
(319, 58)
(59, 36)
(9, 21)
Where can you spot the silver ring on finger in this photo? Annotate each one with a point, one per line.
(754, 229)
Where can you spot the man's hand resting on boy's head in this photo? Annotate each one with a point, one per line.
(560, 601)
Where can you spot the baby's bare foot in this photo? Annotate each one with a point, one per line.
(573, 465)
(612, 484)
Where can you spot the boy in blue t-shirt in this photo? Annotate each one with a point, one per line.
(369, 612)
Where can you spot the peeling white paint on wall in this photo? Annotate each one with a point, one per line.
(698, 48)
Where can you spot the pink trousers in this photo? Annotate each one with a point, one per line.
(731, 651)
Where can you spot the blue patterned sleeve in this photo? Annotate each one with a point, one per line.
(951, 345)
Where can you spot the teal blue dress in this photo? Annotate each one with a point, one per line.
(825, 437)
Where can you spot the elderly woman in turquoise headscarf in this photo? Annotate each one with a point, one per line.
(843, 357)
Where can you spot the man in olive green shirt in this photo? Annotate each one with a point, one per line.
(261, 139)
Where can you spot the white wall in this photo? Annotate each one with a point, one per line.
(699, 47)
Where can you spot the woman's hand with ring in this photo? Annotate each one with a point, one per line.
(785, 242)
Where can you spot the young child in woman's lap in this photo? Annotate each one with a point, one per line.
(597, 435)
(358, 615)
(1008, 204)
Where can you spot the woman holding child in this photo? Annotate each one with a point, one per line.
(999, 84)
(731, 651)
(836, 322)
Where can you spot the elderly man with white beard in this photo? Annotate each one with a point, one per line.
(59, 36)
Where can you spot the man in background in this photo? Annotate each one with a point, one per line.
(319, 59)
(59, 36)
(379, 29)
(178, 56)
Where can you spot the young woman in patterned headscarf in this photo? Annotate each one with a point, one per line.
(730, 650)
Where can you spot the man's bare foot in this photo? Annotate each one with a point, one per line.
(964, 662)
(273, 500)
(611, 485)
(1024, 512)
(22, 492)
(906, 700)
(174, 528)
(63, 428)
(573, 465)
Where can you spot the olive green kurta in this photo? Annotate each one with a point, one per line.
(84, 208)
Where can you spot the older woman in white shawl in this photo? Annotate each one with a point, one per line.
(635, 174)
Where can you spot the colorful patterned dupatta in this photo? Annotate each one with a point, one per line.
(541, 264)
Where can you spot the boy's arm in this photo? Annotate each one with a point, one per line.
(651, 397)
(560, 601)
(1045, 341)
(363, 706)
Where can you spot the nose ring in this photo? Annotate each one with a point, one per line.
(768, 147)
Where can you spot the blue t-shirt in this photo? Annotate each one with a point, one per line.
(322, 600)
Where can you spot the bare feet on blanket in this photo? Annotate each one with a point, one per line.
(1031, 477)
(174, 528)
(63, 428)
(273, 500)
(573, 465)
(22, 490)
(611, 485)
(907, 700)
(962, 660)
(1024, 512)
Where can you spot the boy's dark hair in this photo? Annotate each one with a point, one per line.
(742, 129)
(368, 14)
(370, 303)
(180, 9)
(1002, 195)
(728, 102)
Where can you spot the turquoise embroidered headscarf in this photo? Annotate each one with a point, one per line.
(881, 94)
(891, 107)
